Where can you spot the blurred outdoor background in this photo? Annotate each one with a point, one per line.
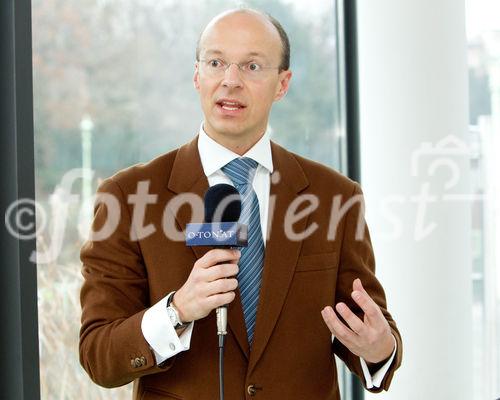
(112, 88)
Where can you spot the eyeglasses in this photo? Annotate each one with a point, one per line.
(216, 68)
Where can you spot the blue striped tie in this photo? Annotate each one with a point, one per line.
(241, 171)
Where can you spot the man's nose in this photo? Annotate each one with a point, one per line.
(232, 76)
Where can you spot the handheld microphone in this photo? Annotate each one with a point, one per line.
(220, 229)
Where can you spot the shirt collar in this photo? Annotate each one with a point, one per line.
(214, 156)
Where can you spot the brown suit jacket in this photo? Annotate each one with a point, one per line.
(292, 354)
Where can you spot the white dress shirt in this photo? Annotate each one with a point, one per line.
(156, 326)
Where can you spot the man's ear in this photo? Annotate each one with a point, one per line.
(196, 77)
(283, 84)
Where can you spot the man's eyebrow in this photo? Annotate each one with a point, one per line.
(250, 54)
(256, 54)
(213, 52)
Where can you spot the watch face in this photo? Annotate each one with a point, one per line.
(171, 315)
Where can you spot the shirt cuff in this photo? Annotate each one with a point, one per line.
(376, 379)
(160, 333)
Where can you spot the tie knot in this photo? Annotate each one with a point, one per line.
(241, 170)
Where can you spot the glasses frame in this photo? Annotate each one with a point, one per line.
(244, 73)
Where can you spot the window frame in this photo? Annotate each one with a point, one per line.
(19, 314)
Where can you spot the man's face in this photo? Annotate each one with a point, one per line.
(236, 107)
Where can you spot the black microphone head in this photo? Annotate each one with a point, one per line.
(222, 204)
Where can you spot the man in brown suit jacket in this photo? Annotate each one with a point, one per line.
(139, 266)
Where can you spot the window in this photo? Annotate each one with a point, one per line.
(113, 87)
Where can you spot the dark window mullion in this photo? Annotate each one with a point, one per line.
(352, 121)
(18, 305)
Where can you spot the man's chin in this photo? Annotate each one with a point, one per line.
(230, 130)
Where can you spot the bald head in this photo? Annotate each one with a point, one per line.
(255, 17)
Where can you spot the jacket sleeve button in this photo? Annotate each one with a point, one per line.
(251, 390)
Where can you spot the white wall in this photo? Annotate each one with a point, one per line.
(413, 89)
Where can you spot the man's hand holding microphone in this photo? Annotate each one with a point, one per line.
(210, 284)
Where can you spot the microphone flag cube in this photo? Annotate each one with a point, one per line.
(217, 234)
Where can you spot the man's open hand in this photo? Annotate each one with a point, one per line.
(370, 338)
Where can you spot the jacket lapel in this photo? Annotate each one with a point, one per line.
(287, 180)
(188, 177)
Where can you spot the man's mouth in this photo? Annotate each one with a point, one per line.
(230, 105)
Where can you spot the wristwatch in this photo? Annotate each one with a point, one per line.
(173, 314)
